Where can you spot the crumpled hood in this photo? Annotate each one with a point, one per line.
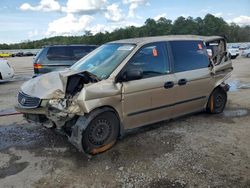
(48, 86)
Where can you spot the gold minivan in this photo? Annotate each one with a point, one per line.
(129, 83)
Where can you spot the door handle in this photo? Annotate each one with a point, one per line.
(182, 82)
(168, 85)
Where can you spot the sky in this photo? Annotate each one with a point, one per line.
(22, 20)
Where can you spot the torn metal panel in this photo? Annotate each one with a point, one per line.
(51, 85)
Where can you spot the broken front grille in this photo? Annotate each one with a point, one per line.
(28, 101)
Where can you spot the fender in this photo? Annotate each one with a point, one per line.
(83, 121)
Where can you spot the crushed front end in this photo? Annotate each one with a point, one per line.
(52, 100)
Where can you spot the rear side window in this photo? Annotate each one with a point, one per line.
(189, 55)
(152, 59)
(68, 52)
(79, 52)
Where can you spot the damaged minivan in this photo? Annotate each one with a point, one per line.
(129, 83)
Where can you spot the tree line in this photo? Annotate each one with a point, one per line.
(209, 25)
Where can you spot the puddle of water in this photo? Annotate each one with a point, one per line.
(14, 136)
(244, 86)
(32, 137)
(235, 113)
(236, 84)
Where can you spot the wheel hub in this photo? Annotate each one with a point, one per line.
(100, 132)
(219, 101)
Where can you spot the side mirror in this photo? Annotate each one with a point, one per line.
(134, 74)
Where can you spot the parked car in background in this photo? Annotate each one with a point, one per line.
(246, 52)
(28, 54)
(234, 52)
(127, 84)
(59, 57)
(22, 54)
(6, 71)
(18, 54)
(4, 54)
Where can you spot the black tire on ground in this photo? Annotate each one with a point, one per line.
(233, 57)
(248, 55)
(101, 133)
(217, 101)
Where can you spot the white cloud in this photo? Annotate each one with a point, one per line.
(114, 13)
(79, 16)
(44, 5)
(185, 15)
(206, 10)
(159, 16)
(84, 6)
(25, 6)
(100, 28)
(134, 5)
(32, 34)
(132, 8)
(219, 14)
(230, 14)
(241, 20)
(111, 27)
(69, 25)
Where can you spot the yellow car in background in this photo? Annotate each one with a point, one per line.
(5, 54)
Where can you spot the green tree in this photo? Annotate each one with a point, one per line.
(209, 25)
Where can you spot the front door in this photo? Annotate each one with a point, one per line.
(149, 99)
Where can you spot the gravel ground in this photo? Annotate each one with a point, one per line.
(199, 150)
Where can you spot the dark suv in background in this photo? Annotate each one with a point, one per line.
(59, 57)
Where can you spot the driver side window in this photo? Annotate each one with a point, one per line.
(151, 59)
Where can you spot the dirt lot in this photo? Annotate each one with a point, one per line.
(199, 150)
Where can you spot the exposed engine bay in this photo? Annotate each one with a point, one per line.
(61, 110)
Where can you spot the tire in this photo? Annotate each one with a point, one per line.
(217, 101)
(248, 55)
(101, 133)
(233, 56)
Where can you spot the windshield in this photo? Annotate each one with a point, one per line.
(103, 61)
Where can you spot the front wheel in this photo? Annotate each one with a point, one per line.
(217, 101)
(101, 133)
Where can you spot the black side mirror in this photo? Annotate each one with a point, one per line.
(134, 74)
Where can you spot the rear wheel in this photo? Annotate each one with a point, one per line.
(233, 56)
(101, 133)
(217, 101)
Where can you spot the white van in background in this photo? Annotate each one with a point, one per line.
(246, 52)
(234, 52)
(6, 71)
